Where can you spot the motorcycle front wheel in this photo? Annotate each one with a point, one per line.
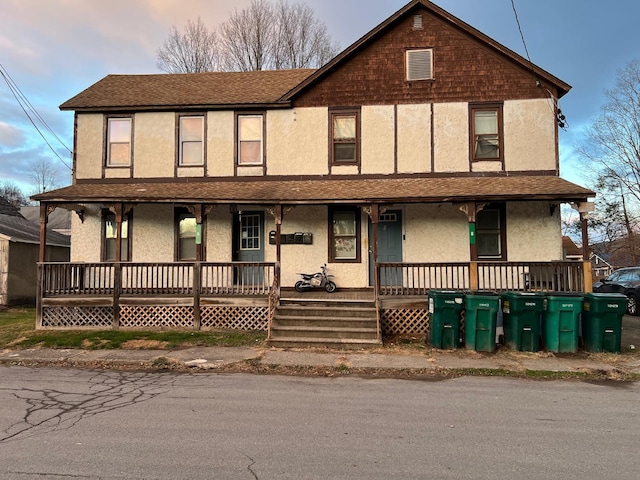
(330, 286)
(299, 286)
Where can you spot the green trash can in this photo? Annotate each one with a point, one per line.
(445, 310)
(480, 320)
(561, 325)
(602, 321)
(522, 314)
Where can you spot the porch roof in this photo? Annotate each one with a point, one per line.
(323, 191)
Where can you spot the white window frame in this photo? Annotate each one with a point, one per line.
(240, 139)
(182, 141)
(110, 130)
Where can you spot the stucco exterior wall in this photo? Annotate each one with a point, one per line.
(378, 139)
(436, 233)
(308, 258)
(218, 235)
(414, 138)
(220, 143)
(451, 137)
(529, 135)
(533, 233)
(154, 145)
(86, 239)
(89, 145)
(153, 233)
(297, 141)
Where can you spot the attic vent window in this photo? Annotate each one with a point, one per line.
(419, 65)
(417, 22)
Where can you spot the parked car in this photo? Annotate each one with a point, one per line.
(624, 280)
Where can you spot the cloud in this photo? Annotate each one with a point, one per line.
(10, 135)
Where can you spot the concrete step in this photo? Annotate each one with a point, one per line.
(345, 333)
(332, 322)
(345, 344)
(325, 312)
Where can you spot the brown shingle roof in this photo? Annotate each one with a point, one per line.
(322, 191)
(209, 89)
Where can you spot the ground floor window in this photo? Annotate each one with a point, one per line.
(491, 233)
(344, 234)
(186, 236)
(110, 235)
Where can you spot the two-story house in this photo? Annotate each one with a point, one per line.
(425, 155)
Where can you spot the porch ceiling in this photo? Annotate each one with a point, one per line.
(324, 191)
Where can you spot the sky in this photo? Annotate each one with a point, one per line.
(54, 49)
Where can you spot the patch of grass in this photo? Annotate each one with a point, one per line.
(17, 330)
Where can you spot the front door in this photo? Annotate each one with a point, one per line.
(248, 246)
(389, 244)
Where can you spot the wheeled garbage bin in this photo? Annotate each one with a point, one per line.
(522, 314)
(561, 325)
(481, 313)
(602, 321)
(445, 310)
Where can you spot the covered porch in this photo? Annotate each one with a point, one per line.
(234, 294)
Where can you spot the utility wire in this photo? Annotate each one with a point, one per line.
(22, 101)
(563, 122)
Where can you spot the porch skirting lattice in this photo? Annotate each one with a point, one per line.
(156, 316)
(234, 317)
(77, 316)
(401, 321)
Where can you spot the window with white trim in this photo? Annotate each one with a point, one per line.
(191, 140)
(486, 132)
(118, 142)
(250, 141)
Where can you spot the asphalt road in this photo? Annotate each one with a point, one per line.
(65, 423)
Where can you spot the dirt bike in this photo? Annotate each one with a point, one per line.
(320, 279)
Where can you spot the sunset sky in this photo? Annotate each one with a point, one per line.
(53, 49)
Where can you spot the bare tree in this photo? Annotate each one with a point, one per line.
(248, 38)
(44, 176)
(193, 50)
(13, 194)
(612, 152)
(262, 36)
(302, 41)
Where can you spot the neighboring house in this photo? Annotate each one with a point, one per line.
(570, 251)
(19, 245)
(424, 155)
(59, 220)
(600, 268)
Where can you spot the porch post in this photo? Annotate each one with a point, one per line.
(44, 216)
(586, 261)
(375, 217)
(118, 214)
(471, 208)
(278, 220)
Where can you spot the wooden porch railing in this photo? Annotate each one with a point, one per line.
(155, 279)
(418, 278)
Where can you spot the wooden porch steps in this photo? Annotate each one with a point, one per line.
(322, 322)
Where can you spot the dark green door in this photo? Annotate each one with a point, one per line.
(389, 245)
(248, 246)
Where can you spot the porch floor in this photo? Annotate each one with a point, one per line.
(319, 295)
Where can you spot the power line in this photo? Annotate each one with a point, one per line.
(560, 118)
(24, 101)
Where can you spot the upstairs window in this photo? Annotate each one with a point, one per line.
(250, 140)
(419, 64)
(191, 133)
(345, 138)
(119, 142)
(486, 137)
